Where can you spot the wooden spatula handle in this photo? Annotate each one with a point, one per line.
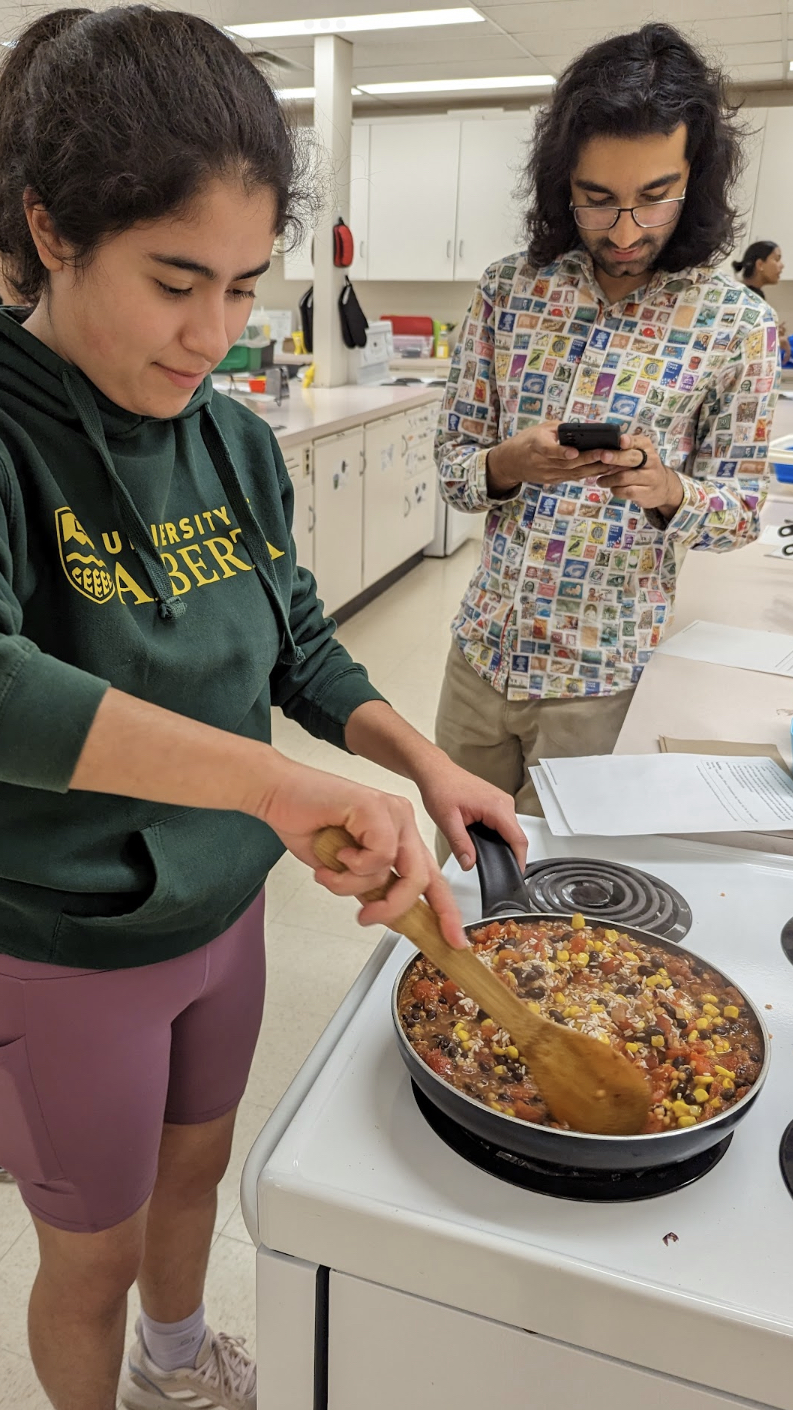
(420, 924)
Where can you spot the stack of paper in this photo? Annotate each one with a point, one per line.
(618, 795)
(744, 647)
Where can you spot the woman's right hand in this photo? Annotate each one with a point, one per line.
(299, 800)
(534, 456)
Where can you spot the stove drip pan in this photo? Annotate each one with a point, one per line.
(617, 893)
(586, 1185)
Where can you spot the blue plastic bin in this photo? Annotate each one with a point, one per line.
(780, 453)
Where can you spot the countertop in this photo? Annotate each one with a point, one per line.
(307, 414)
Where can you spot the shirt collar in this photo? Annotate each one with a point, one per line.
(576, 267)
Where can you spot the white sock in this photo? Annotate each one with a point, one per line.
(172, 1345)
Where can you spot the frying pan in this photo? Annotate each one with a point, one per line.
(503, 899)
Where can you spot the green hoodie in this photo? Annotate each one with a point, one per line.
(155, 556)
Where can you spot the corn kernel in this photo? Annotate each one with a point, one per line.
(702, 1024)
(711, 1009)
(731, 1011)
(572, 1011)
(658, 1041)
(629, 955)
(597, 1008)
(500, 1070)
(603, 1038)
(611, 935)
(498, 1052)
(721, 1046)
(487, 1023)
(583, 960)
(700, 1095)
(653, 981)
(598, 946)
(705, 1078)
(508, 1110)
(633, 1047)
(577, 922)
(709, 999)
(727, 1086)
(665, 983)
(461, 1033)
(666, 1102)
(563, 956)
(512, 1052)
(686, 1121)
(715, 1103)
(533, 1006)
(680, 1108)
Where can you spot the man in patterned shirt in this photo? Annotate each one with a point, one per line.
(615, 313)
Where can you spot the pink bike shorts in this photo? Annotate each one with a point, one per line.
(93, 1062)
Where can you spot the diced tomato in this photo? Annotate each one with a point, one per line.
(424, 991)
(528, 1113)
(672, 1053)
(440, 1063)
(493, 931)
(651, 1060)
(728, 1060)
(664, 1023)
(577, 945)
(508, 957)
(450, 992)
(702, 1063)
(608, 966)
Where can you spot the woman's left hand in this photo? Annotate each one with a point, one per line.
(454, 799)
(651, 486)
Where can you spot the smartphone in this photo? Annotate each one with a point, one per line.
(589, 435)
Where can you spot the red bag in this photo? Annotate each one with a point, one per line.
(343, 245)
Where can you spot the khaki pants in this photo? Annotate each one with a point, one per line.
(497, 739)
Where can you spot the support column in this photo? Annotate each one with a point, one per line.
(333, 123)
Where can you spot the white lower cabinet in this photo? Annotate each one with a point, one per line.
(338, 502)
(300, 464)
(383, 494)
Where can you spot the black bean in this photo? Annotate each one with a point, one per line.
(443, 1042)
(628, 989)
(677, 1062)
(645, 969)
(431, 1013)
(654, 1033)
(755, 1057)
(555, 1015)
(485, 1066)
(668, 1010)
(721, 1029)
(535, 971)
(537, 991)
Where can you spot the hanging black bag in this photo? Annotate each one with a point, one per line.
(354, 324)
(306, 307)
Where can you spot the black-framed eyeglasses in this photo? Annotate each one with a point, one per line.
(648, 217)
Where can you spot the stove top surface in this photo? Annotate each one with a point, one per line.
(360, 1182)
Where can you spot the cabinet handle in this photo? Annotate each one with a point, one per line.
(312, 518)
(404, 445)
(461, 248)
(362, 249)
(362, 454)
(407, 508)
(448, 249)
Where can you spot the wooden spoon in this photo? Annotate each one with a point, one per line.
(584, 1082)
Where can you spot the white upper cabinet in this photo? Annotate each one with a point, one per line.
(360, 184)
(493, 154)
(413, 199)
(772, 216)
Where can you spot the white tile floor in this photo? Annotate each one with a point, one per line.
(402, 639)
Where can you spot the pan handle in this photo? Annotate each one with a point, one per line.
(500, 877)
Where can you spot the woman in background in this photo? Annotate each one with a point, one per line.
(762, 264)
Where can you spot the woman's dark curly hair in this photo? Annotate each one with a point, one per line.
(122, 116)
(635, 85)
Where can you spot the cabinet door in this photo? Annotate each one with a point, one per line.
(492, 154)
(300, 465)
(384, 487)
(359, 199)
(412, 215)
(772, 216)
(338, 501)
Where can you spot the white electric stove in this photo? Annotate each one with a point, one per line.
(392, 1272)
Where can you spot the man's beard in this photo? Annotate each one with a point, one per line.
(648, 250)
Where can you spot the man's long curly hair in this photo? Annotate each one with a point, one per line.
(636, 85)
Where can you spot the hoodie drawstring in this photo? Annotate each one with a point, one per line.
(169, 607)
(252, 534)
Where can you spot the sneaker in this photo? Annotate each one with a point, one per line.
(224, 1375)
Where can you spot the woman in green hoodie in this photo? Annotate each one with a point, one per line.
(151, 613)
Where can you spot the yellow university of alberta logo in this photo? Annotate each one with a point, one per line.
(86, 571)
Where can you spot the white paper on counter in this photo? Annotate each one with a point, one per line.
(621, 795)
(549, 803)
(742, 647)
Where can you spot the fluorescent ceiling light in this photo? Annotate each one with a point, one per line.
(294, 95)
(350, 24)
(460, 85)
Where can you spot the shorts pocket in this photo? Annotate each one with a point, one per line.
(25, 1146)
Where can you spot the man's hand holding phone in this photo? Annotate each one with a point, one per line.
(535, 457)
(644, 481)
